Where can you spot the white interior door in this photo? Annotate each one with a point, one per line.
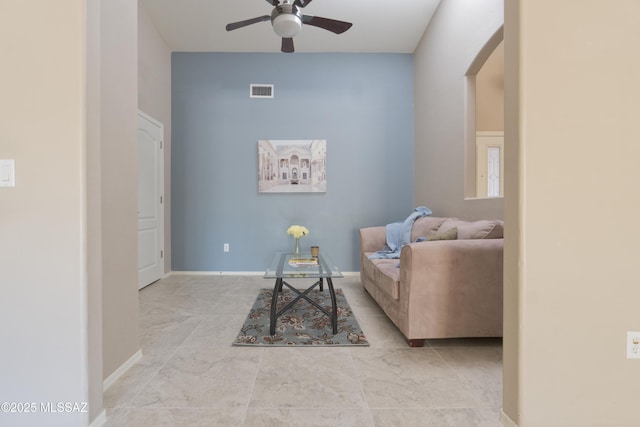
(489, 164)
(150, 200)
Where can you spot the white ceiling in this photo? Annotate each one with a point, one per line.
(199, 25)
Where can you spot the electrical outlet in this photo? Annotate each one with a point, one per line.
(7, 173)
(633, 345)
(226, 247)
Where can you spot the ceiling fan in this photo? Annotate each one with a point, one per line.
(287, 19)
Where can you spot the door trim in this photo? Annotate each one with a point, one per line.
(160, 196)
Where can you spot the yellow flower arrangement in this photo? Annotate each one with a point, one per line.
(297, 231)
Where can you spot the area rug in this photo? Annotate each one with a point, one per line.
(303, 324)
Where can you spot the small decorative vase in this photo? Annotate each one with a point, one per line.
(296, 250)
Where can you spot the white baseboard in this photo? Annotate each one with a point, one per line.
(100, 420)
(506, 421)
(350, 273)
(121, 370)
(217, 273)
(237, 273)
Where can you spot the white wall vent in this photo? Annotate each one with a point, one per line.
(260, 91)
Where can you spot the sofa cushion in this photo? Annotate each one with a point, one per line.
(426, 226)
(451, 234)
(384, 273)
(483, 229)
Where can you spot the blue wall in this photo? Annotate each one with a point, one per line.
(361, 104)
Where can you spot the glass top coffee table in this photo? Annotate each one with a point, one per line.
(286, 265)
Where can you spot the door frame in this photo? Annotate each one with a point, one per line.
(484, 141)
(160, 196)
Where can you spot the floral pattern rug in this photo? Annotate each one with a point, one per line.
(303, 324)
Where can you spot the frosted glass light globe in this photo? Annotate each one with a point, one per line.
(287, 25)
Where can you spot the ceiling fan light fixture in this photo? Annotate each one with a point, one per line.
(287, 25)
(287, 20)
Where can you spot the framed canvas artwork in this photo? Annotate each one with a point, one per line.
(292, 166)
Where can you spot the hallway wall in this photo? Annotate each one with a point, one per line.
(154, 98)
(119, 109)
(572, 280)
(43, 255)
(453, 39)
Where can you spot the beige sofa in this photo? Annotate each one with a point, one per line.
(442, 288)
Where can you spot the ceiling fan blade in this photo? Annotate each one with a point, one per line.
(287, 44)
(332, 25)
(240, 24)
(274, 2)
(301, 3)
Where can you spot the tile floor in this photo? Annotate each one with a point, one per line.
(191, 375)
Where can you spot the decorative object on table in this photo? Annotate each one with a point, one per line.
(303, 262)
(315, 250)
(292, 166)
(297, 231)
(304, 324)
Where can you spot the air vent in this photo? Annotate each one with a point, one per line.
(260, 91)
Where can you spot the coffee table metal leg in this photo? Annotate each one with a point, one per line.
(320, 284)
(274, 305)
(334, 306)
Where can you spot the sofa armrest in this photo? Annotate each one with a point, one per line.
(451, 261)
(373, 239)
(455, 286)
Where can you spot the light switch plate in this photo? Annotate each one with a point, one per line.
(7, 173)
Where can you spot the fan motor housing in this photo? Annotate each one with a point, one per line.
(286, 20)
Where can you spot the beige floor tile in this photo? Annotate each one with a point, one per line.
(465, 342)
(260, 417)
(201, 377)
(234, 304)
(362, 303)
(480, 367)
(194, 304)
(175, 417)
(165, 329)
(411, 378)
(381, 332)
(191, 375)
(490, 417)
(218, 330)
(123, 391)
(463, 417)
(218, 285)
(307, 378)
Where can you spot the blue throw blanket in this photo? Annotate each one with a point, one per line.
(399, 234)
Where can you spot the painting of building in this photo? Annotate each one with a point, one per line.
(292, 166)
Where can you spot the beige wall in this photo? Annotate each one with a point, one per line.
(119, 106)
(94, 209)
(68, 228)
(457, 33)
(43, 220)
(490, 93)
(513, 213)
(575, 272)
(154, 98)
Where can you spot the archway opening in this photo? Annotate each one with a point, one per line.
(484, 133)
